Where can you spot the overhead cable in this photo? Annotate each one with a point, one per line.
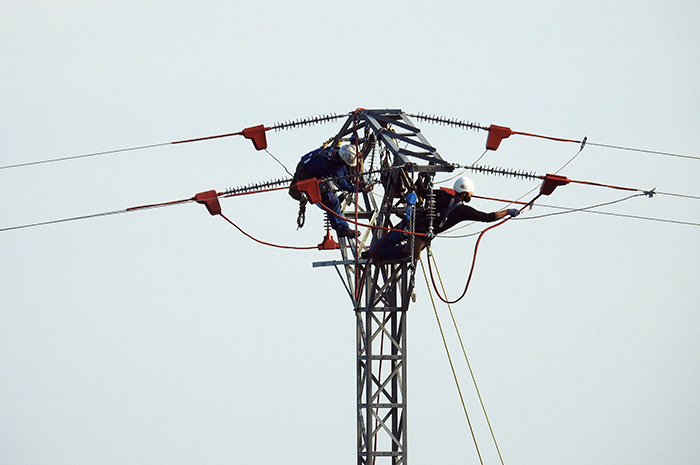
(96, 215)
(86, 155)
(572, 210)
(254, 133)
(257, 135)
(498, 133)
(209, 199)
(283, 183)
(653, 152)
(621, 215)
(31, 225)
(553, 180)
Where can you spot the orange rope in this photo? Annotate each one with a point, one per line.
(369, 225)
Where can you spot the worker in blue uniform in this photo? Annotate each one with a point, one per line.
(450, 209)
(330, 163)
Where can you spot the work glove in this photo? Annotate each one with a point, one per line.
(513, 212)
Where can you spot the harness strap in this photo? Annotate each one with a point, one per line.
(447, 211)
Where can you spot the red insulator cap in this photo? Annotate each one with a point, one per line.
(210, 200)
(551, 182)
(310, 186)
(328, 243)
(496, 135)
(257, 135)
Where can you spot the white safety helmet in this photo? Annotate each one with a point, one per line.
(464, 184)
(349, 154)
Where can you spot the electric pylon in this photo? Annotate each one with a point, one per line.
(382, 292)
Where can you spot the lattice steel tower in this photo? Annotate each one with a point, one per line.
(395, 151)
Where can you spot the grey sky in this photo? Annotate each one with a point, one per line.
(165, 336)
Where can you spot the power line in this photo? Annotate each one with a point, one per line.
(572, 210)
(622, 215)
(498, 133)
(584, 142)
(551, 181)
(563, 180)
(96, 215)
(257, 135)
(271, 185)
(86, 155)
(575, 210)
(653, 152)
(684, 196)
(254, 133)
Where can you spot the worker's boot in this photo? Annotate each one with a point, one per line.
(348, 232)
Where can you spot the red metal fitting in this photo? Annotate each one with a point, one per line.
(210, 200)
(310, 186)
(257, 135)
(551, 182)
(328, 243)
(496, 135)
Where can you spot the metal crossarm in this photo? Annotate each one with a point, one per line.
(380, 122)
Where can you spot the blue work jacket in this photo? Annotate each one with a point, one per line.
(324, 163)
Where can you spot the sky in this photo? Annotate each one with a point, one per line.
(166, 336)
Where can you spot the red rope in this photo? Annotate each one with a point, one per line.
(471, 270)
(357, 201)
(266, 243)
(369, 225)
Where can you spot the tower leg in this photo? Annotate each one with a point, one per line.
(381, 365)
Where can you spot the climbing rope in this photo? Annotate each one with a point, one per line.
(471, 372)
(452, 367)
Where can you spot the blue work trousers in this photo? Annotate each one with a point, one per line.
(330, 200)
(389, 247)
